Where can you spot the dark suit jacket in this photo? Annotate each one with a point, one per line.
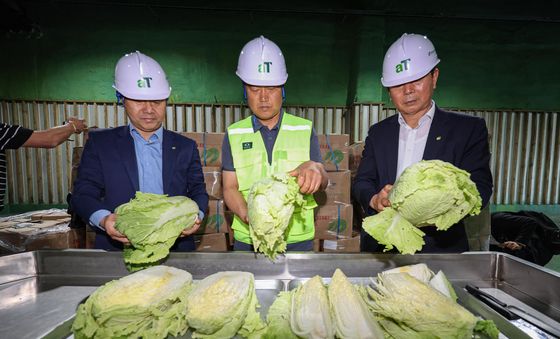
(108, 175)
(456, 138)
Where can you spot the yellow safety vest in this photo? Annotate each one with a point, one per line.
(250, 161)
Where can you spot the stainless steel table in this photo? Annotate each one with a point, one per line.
(41, 290)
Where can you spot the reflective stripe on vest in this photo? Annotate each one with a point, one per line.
(250, 160)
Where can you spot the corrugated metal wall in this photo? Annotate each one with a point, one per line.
(525, 146)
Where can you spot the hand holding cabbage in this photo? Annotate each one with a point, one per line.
(271, 203)
(430, 192)
(152, 223)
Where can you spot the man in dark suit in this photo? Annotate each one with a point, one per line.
(419, 131)
(142, 156)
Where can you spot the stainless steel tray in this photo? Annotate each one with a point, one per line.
(40, 290)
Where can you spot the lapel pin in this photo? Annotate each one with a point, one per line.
(438, 138)
(173, 147)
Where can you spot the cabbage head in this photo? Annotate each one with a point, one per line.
(146, 304)
(278, 318)
(419, 271)
(223, 305)
(271, 203)
(152, 223)
(431, 192)
(351, 315)
(426, 275)
(410, 308)
(303, 312)
(311, 316)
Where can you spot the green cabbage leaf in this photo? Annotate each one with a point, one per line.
(146, 304)
(409, 308)
(152, 223)
(271, 203)
(431, 192)
(351, 315)
(224, 304)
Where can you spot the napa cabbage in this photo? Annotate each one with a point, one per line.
(303, 312)
(431, 192)
(409, 308)
(351, 315)
(278, 318)
(271, 203)
(311, 316)
(146, 304)
(419, 271)
(223, 305)
(152, 223)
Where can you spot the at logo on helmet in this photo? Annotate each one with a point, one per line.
(144, 82)
(264, 67)
(402, 66)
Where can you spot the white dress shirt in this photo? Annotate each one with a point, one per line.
(412, 141)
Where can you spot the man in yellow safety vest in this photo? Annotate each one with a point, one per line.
(267, 142)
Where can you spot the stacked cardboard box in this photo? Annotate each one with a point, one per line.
(334, 151)
(333, 221)
(214, 220)
(349, 245)
(217, 242)
(355, 156)
(337, 191)
(213, 233)
(46, 229)
(334, 216)
(209, 147)
(213, 181)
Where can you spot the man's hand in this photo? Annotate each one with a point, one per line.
(79, 125)
(381, 200)
(512, 245)
(109, 224)
(311, 177)
(193, 229)
(232, 197)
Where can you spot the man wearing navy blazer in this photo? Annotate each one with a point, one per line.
(142, 156)
(419, 131)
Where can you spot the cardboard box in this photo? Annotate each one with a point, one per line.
(209, 147)
(338, 189)
(50, 215)
(214, 220)
(355, 156)
(213, 181)
(350, 245)
(216, 242)
(33, 235)
(334, 151)
(333, 221)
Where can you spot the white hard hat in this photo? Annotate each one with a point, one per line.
(139, 77)
(261, 63)
(408, 59)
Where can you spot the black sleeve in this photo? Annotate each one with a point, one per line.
(13, 136)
